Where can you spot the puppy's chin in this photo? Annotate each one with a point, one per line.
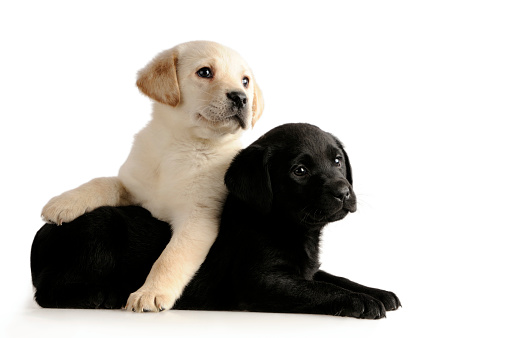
(318, 219)
(339, 215)
(345, 210)
(228, 125)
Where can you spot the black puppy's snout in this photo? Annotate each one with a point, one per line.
(239, 99)
(342, 193)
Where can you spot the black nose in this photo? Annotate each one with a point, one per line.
(343, 193)
(239, 99)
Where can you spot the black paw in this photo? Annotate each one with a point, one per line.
(389, 299)
(359, 305)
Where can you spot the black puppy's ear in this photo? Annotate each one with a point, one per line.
(248, 178)
(349, 177)
(348, 168)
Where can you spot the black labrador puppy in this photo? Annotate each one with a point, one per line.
(283, 189)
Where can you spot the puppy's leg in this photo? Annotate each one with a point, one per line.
(103, 191)
(389, 299)
(293, 294)
(176, 266)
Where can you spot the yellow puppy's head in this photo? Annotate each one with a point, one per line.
(211, 84)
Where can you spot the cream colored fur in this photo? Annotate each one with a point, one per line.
(177, 162)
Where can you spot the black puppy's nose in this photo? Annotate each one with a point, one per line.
(343, 193)
(239, 99)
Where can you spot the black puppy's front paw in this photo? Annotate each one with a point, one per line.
(359, 305)
(389, 299)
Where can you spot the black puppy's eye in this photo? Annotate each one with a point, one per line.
(245, 81)
(337, 161)
(300, 171)
(205, 72)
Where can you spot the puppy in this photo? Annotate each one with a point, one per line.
(204, 96)
(284, 189)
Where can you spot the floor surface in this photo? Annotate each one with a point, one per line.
(34, 321)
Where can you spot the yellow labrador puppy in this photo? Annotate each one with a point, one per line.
(204, 96)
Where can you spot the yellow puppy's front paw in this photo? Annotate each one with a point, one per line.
(149, 300)
(63, 209)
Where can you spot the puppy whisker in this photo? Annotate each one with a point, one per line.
(307, 215)
(363, 202)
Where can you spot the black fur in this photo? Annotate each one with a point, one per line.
(264, 259)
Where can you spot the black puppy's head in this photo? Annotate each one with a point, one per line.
(296, 170)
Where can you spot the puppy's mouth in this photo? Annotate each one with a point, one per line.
(321, 217)
(339, 215)
(238, 119)
(317, 220)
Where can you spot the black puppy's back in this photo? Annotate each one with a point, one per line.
(97, 260)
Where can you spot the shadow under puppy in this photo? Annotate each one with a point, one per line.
(283, 189)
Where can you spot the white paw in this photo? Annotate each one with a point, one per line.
(149, 300)
(63, 208)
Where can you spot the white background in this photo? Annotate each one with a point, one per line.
(418, 92)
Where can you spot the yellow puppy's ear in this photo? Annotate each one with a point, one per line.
(158, 80)
(258, 104)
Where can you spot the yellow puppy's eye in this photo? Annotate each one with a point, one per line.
(245, 81)
(205, 72)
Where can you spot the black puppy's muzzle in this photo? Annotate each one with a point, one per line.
(238, 101)
(334, 201)
(343, 195)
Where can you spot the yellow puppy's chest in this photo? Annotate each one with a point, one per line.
(185, 171)
(187, 181)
